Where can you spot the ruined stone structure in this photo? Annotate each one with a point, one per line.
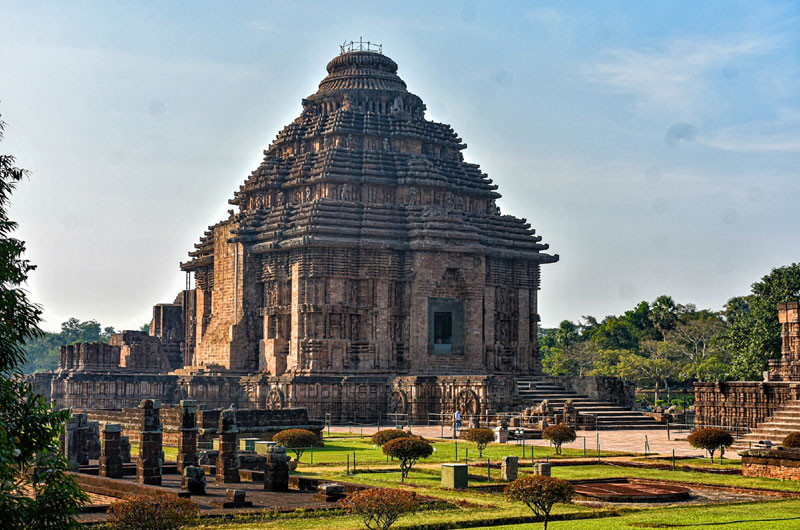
(752, 404)
(365, 269)
(151, 457)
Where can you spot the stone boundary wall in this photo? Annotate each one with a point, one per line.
(601, 388)
(783, 464)
(740, 403)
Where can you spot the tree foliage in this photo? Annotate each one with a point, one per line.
(387, 435)
(144, 512)
(35, 489)
(754, 333)
(407, 451)
(791, 441)
(43, 351)
(710, 439)
(540, 493)
(296, 440)
(559, 435)
(482, 437)
(379, 508)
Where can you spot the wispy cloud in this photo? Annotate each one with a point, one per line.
(675, 77)
(764, 136)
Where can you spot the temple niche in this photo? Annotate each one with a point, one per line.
(365, 268)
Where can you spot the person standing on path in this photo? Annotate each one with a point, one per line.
(456, 422)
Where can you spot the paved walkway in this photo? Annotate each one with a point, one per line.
(628, 441)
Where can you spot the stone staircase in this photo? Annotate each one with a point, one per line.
(775, 428)
(610, 416)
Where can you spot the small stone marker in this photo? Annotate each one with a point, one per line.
(455, 476)
(509, 468)
(329, 492)
(542, 468)
(500, 435)
(235, 499)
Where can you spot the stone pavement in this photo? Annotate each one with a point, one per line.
(632, 441)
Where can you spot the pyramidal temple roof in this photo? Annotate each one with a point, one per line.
(361, 166)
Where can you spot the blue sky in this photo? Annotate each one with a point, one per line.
(654, 145)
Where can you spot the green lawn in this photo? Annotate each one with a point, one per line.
(337, 449)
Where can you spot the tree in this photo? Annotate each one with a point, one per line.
(540, 493)
(35, 489)
(387, 435)
(710, 439)
(559, 435)
(654, 367)
(791, 441)
(379, 508)
(663, 314)
(297, 440)
(407, 451)
(754, 333)
(480, 436)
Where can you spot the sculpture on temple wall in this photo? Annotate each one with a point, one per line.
(448, 201)
(386, 144)
(412, 197)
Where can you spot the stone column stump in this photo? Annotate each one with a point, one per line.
(227, 462)
(148, 466)
(111, 451)
(276, 469)
(187, 448)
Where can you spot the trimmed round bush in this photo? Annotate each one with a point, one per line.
(710, 439)
(387, 435)
(480, 436)
(144, 512)
(407, 451)
(792, 440)
(379, 508)
(559, 434)
(540, 493)
(297, 440)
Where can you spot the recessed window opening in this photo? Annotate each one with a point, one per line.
(443, 328)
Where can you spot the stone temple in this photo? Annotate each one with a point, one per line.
(364, 269)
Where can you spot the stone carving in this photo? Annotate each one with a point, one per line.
(275, 399)
(397, 105)
(448, 201)
(227, 463)
(412, 197)
(308, 193)
(398, 402)
(386, 144)
(459, 203)
(348, 142)
(467, 402)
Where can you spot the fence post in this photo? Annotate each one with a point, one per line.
(354, 463)
(466, 457)
(348, 464)
(584, 447)
(598, 447)
(312, 455)
(362, 430)
(673, 459)
(456, 450)
(488, 470)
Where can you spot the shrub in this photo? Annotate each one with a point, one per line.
(297, 440)
(143, 512)
(792, 440)
(387, 435)
(540, 493)
(480, 436)
(559, 434)
(407, 451)
(379, 508)
(710, 439)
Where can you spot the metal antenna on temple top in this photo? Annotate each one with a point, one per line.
(360, 46)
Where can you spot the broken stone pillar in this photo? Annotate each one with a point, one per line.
(276, 469)
(509, 468)
(194, 480)
(110, 452)
(93, 440)
(227, 463)
(81, 438)
(68, 447)
(187, 448)
(148, 467)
